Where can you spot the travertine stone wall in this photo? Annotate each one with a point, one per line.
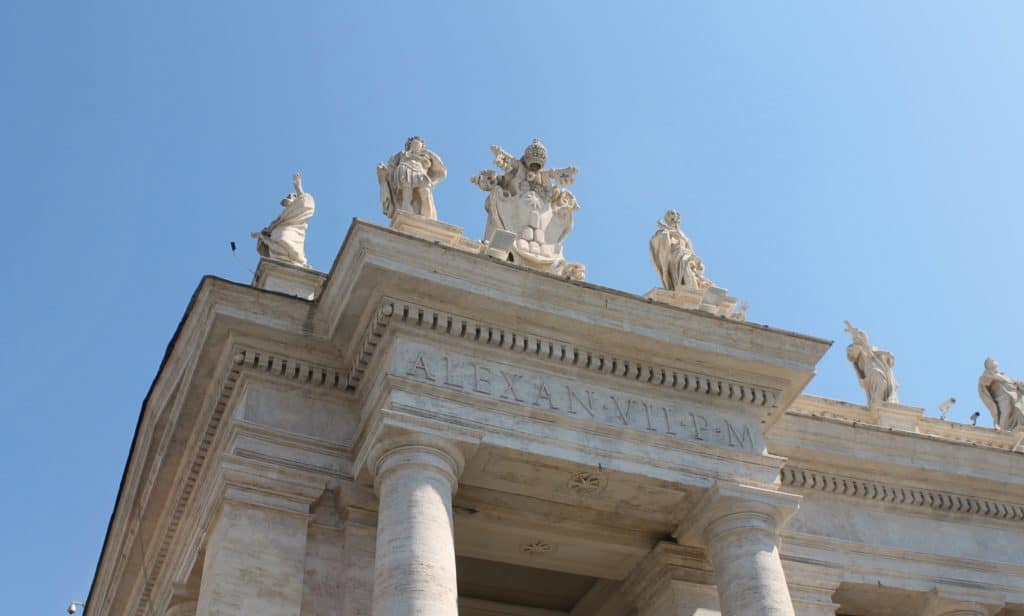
(255, 560)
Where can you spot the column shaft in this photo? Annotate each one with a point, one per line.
(414, 571)
(748, 570)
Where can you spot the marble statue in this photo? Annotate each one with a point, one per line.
(874, 368)
(1003, 396)
(285, 238)
(530, 202)
(407, 180)
(674, 258)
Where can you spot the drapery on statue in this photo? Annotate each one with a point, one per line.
(674, 258)
(873, 367)
(1003, 396)
(285, 238)
(407, 180)
(529, 201)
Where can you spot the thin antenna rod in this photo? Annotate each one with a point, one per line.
(234, 253)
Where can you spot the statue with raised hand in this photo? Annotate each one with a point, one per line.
(284, 239)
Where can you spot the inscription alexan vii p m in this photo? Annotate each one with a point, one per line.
(560, 395)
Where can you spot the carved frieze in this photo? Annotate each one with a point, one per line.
(444, 323)
(574, 399)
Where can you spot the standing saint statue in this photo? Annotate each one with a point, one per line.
(873, 367)
(407, 180)
(673, 256)
(285, 238)
(528, 201)
(1003, 396)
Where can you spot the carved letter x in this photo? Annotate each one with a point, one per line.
(510, 385)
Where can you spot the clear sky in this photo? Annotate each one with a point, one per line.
(831, 161)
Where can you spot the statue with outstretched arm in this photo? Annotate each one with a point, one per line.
(284, 239)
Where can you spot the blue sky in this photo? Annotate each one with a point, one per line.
(831, 161)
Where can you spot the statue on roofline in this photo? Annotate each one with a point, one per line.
(673, 256)
(1003, 396)
(530, 202)
(873, 367)
(284, 239)
(407, 180)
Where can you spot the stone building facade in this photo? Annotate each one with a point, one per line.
(429, 430)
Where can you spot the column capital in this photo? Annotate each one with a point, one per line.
(942, 602)
(397, 439)
(269, 486)
(730, 507)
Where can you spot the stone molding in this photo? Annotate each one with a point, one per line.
(667, 563)
(811, 586)
(815, 406)
(729, 508)
(392, 311)
(275, 364)
(242, 359)
(268, 486)
(913, 497)
(945, 603)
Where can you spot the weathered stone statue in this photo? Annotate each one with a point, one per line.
(407, 180)
(285, 238)
(873, 367)
(1003, 396)
(674, 258)
(529, 201)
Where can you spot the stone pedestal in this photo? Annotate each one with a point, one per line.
(714, 300)
(256, 550)
(897, 416)
(433, 230)
(289, 279)
(415, 564)
(739, 527)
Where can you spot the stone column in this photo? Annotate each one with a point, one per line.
(256, 548)
(414, 464)
(739, 527)
(415, 562)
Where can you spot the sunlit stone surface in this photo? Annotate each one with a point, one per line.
(428, 429)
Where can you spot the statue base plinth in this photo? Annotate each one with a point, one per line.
(713, 300)
(897, 416)
(281, 277)
(425, 228)
(683, 298)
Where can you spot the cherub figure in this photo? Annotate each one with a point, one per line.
(407, 180)
(284, 239)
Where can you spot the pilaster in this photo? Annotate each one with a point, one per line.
(256, 548)
(672, 581)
